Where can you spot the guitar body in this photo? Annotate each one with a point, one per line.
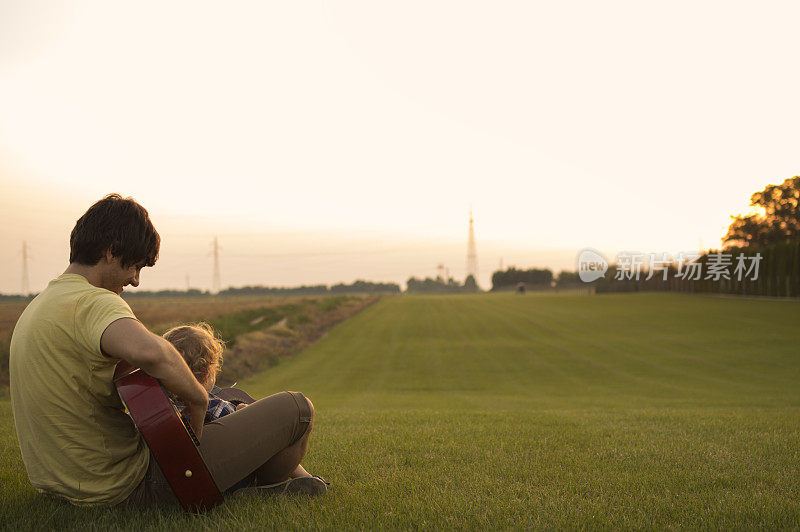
(172, 443)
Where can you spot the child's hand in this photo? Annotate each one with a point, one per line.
(240, 406)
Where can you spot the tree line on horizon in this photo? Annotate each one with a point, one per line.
(773, 233)
(438, 285)
(356, 287)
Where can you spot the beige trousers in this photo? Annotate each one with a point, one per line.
(234, 447)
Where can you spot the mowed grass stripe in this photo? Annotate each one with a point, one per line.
(672, 361)
(509, 363)
(465, 343)
(586, 360)
(579, 364)
(610, 352)
(499, 411)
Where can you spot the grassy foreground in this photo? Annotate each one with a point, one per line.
(500, 411)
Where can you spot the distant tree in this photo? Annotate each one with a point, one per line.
(566, 278)
(365, 287)
(15, 297)
(512, 276)
(438, 285)
(275, 291)
(357, 287)
(469, 284)
(779, 222)
(192, 292)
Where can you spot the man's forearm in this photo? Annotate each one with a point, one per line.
(129, 340)
(175, 375)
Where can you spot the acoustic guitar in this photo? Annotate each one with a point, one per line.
(172, 442)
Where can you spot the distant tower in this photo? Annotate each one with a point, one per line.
(26, 288)
(440, 272)
(215, 283)
(472, 253)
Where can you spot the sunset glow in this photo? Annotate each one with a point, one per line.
(327, 142)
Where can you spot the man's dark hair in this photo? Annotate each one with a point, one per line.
(117, 224)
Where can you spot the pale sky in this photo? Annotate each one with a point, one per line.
(330, 141)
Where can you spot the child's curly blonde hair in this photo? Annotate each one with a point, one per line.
(200, 347)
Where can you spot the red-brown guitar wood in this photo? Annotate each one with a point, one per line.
(172, 443)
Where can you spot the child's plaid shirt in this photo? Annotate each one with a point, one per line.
(217, 408)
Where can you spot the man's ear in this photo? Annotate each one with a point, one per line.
(107, 256)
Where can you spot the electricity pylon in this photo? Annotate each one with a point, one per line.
(215, 282)
(472, 252)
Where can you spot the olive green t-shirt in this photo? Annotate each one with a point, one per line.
(77, 442)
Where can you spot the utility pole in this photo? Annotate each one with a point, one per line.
(440, 272)
(472, 252)
(26, 286)
(188, 286)
(215, 283)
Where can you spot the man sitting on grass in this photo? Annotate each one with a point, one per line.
(76, 440)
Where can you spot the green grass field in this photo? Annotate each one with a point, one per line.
(500, 411)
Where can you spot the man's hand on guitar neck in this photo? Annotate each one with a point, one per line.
(129, 340)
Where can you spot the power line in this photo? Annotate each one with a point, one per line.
(313, 254)
(26, 288)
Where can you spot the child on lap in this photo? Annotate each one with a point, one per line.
(202, 351)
